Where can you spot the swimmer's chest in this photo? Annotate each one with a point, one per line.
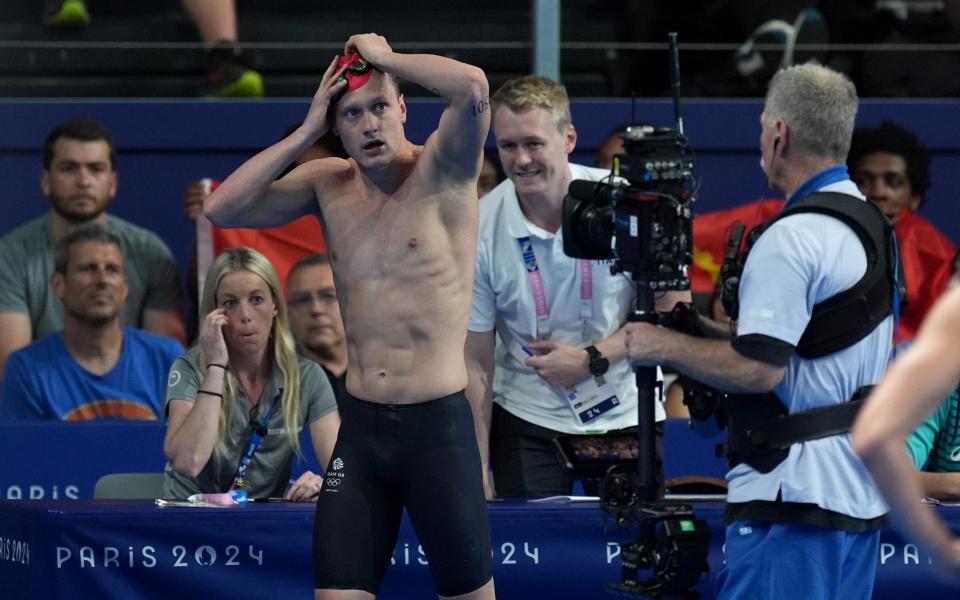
(396, 235)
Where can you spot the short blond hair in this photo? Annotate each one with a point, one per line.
(534, 91)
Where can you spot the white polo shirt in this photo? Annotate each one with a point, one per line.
(799, 261)
(503, 300)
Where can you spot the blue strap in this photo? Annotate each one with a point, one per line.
(529, 258)
(896, 282)
(819, 181)
(252, 444)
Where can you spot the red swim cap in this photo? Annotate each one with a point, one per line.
(357, 73)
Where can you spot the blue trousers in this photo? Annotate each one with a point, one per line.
(790, 560)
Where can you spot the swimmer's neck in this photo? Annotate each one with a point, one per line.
(388, 179)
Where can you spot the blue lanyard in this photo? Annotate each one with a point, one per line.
(896, 282)
(238, 478)
(820, 180)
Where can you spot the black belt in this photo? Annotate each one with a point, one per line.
(782, 432)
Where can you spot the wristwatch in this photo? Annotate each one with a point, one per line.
(598, 362)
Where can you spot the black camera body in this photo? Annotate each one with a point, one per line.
(640, 217)
(705, 403)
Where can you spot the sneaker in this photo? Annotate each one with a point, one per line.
(234, 81)
(228, 75)
(65, 13)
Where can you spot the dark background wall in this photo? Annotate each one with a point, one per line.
(165, 144)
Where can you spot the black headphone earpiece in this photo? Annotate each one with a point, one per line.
(776, 142)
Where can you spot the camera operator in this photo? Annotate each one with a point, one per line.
(559, 319)
(802, 521)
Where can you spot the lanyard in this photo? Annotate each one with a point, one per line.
(820, 180)
(540, 295)
(586, 294)
(259, 430)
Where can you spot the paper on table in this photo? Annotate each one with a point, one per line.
(186, 504)
(561, 499)
(675, 497)
(939, 502)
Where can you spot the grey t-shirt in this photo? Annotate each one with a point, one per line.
(26, 263)
(269, 470)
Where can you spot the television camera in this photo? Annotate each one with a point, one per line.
(640, 217)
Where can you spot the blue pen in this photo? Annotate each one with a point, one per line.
(527, 350)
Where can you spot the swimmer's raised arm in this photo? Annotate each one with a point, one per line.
(457, 145)
(250, 197)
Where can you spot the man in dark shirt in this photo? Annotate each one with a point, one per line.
(315, 318)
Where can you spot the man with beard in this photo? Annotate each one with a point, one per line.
(80, 181)
(95, 368)
(315, 319)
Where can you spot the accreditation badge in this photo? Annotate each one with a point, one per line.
(590, 399)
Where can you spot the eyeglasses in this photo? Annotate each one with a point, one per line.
(258, 427)
(302, 301)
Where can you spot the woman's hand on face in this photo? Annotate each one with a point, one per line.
(212, 343)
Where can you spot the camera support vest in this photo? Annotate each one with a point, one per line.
(760, 428)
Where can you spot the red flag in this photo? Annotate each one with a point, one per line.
(283, 245)
(927, 257)
(710, 232)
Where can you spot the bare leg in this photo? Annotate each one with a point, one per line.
(215, 19)
(229, 73)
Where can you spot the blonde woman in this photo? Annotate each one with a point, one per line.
(238, 400)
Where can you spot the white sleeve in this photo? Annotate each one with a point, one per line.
(483, 310)
(779, 284)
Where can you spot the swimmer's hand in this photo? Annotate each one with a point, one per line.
(372, 47)
(318, 121)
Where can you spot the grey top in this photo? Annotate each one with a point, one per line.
(268, 472)
(26, 263)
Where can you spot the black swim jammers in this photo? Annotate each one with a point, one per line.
(420, 456)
